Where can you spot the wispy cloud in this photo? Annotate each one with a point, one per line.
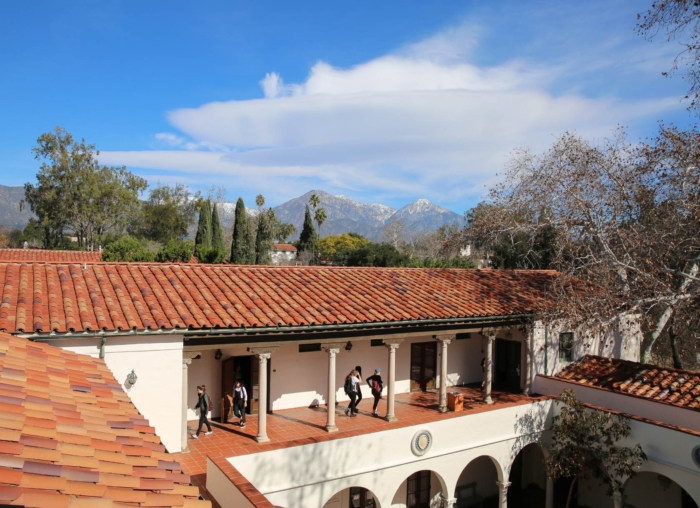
(422, 121)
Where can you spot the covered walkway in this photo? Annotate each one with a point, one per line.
(295, 427)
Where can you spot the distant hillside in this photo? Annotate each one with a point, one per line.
(10, 216)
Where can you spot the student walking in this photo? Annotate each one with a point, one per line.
(358, 369)
(352, 382)
(239, 402)
(376, 385)
(203, 406)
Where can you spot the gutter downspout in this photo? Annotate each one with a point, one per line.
(546, 352)
(102, 347)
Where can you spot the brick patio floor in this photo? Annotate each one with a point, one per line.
(294, 427)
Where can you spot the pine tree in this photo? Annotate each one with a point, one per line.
(308, 237)
(202, 242)
(263, 240)
(240, 247)
(217, 233)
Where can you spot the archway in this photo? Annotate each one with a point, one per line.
(477, 483)
(650, 490)
(422, 489)
(528, 478)
(353, 497)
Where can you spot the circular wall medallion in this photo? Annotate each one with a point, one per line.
(421, 442)
(696, 455)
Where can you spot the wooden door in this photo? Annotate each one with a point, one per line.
(423, 366)
(418, 490)
(227, 378)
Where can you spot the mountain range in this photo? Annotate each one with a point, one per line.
(345, 215)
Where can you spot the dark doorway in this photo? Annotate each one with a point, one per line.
(361, 498)
(423, 366)
(245, 369)
(418, 490)
(507, 365)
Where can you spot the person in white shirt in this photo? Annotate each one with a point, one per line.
(239, 401)
(352, 385)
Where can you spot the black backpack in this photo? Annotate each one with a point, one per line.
(348, 387)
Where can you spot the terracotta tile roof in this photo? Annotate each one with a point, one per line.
(285, 246)
(673, 386)
(51, 256)
(122, 296)
(70, 436)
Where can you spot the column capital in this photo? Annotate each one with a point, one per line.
(503, 486)
(333, 348)
(393, 343)
(448, 502)
(188, 356)
(263, 352)
(490, 333)
(445, 337)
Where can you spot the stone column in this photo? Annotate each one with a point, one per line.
(263, 355)
(392, 345)
(491, 338)
(444, 341)
(332, 350)
(187, 357)
(529, 359)
(618, 499)
(503, 494)
(549, 494)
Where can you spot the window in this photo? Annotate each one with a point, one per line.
(376, 342)
(462, 336)
(566, 346)
(361, 498)
(418, 490)
(308, 348)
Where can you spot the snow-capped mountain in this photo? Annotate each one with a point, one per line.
(422, 215)
(346, 215)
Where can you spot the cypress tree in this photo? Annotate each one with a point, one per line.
(217, 233)
(203, 237)
(263, 240)
(308, 237)
(240, 247)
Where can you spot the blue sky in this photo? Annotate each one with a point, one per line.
(380, 101)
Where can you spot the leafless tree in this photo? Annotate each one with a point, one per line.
(677, 20)
(394, 233)
(626, 219)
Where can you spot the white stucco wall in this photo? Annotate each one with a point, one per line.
(382, 461)
(157, 361)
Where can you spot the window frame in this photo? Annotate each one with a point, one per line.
(566, 353)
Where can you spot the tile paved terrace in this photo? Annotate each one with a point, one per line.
(294, 427)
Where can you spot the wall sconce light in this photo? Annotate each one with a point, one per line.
(348, 346)
(218, 354)
(131, 378)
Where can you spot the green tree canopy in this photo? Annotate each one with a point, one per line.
(308, 237)
(175, 251)
(126, 248)
(74, 192)
(263, 238)
(241, 244)
(167, 214)
(329, 246)
(204, 227)
(217, 235)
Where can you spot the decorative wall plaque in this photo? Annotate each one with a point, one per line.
(421, 442)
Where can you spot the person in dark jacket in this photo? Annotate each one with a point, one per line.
(358, 369)
(203, 406)
(352, 384)
(239, 401)
(376, 385)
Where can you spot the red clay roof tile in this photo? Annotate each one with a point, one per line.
(45, 462)
(660, 384)
(45, 255)
(113, 296)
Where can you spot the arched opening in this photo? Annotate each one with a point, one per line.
(423, 489)
(477, 484)
(353, 497)
(651, 490)
(528, 478)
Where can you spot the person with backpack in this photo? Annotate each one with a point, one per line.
(376, 385)
(239, 401)
(203, 404)
(352, 382)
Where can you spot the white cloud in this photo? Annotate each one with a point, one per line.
(423, 121)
